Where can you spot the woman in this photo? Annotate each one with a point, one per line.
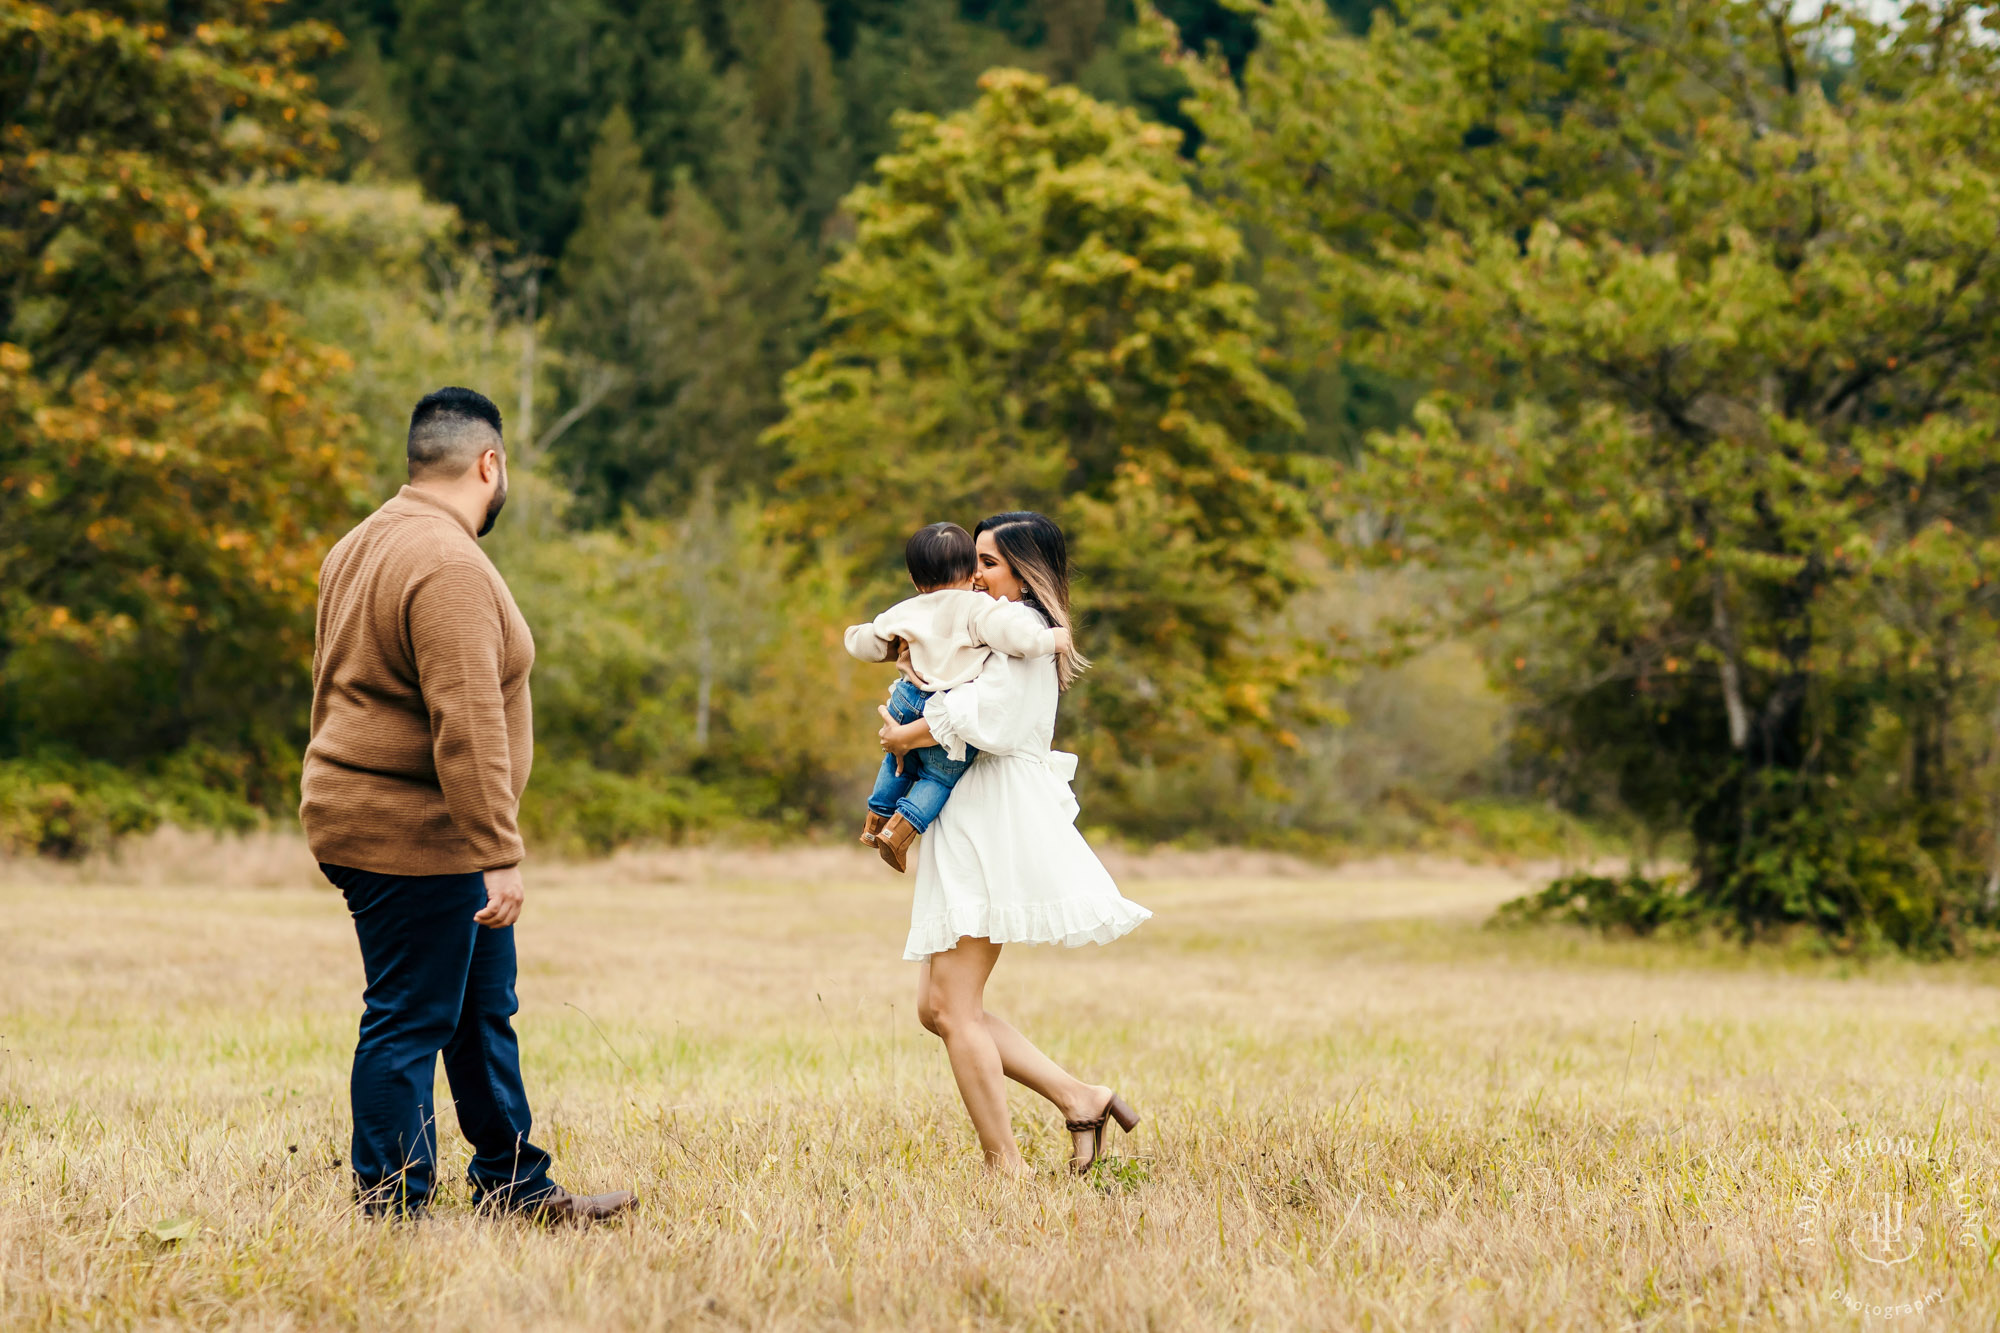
(1003, 863)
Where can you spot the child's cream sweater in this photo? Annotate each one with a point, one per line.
(951, 632)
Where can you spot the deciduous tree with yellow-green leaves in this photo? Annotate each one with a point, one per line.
(1037, 312)
(171, 469)
(1706, 298)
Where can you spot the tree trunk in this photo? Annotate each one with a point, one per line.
(524, 414)
(1732, 674)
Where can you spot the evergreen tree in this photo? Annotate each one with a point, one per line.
(795, 98)
(918, 55)
(686, 113)
(693, 316)
(1070, 32)
(504, 97)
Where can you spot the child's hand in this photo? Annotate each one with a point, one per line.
(905, 665)
(1063, 641)
(887, 734)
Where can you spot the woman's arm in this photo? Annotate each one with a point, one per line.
(997, 711)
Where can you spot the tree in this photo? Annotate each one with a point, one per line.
(1038, 312)
(673, 654)
(917, 55)
(795, 96)
(387, 275)
(693, 315)
(688, 113)
(1708, 430)
(506, 100)
(504, 97)
(109, 231)
(170, 470)
(1070, 32)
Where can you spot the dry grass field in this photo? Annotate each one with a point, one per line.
(1364, 1110)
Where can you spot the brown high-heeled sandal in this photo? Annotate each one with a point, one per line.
(1115, 1109)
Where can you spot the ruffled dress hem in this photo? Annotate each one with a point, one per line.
(1069, 924)
(1004, 861)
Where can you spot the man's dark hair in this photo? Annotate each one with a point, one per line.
(938, 555)
(449, 429)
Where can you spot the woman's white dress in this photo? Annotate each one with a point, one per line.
(1003, 861)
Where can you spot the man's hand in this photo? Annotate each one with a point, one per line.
(1063, 641)
(504, 892)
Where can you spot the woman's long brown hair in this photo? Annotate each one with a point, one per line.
(1034, 547)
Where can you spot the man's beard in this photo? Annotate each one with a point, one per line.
(495, 505)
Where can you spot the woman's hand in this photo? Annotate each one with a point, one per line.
(1063, 641)
(899, 738)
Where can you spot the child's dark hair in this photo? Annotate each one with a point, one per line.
(938, 556)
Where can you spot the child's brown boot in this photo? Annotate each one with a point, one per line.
(872, 827)
(894, 841)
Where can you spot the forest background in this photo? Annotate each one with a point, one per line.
(1520, 426)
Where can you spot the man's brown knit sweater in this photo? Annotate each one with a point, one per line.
(422, 730)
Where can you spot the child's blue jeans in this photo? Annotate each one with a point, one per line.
(920, 790)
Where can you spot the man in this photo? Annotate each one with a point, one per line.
(422, 733)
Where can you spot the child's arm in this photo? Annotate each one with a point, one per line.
(1016, 629)
(864, 644)
(908, 666)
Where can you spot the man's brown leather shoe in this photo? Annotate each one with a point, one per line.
(562, 1206)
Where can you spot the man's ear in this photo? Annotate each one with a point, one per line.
(489, 465)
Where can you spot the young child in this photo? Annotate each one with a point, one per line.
(949, 632)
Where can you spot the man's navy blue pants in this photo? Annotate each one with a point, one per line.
(438, 981)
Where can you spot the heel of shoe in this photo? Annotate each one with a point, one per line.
(1119, 1110)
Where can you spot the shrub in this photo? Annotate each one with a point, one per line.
(1630, 903)
(573, 808)
(69, 808)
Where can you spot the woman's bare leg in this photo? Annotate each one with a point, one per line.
(1020, 1059)
(1026, 1065)
(953, 1007)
